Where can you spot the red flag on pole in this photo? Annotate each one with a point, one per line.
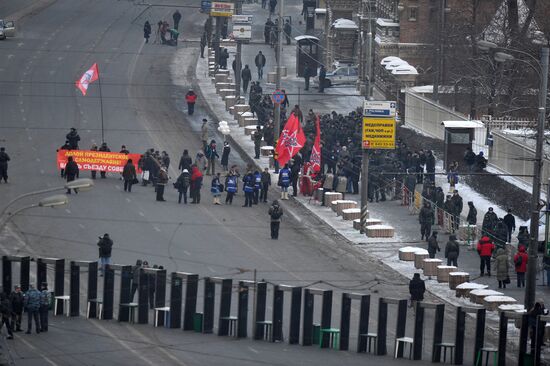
(87, 78)
(315, 158)
(292, 139)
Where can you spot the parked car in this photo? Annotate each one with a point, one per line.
(7, 29)
(342, 75)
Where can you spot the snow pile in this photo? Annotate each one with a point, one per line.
(471, 286)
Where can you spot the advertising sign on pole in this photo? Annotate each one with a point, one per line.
(242, 19)
(375, 108)
(222, 9)
(242, 32)
(378, 133)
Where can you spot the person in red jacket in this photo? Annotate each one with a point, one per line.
(520, 262)
(485, 248)
(190, 98)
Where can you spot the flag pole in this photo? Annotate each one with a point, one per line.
(101, 105)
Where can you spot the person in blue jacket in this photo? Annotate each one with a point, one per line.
(248, 188)
(216, 189)
(230, 187)
(284, 181)
(257, 186)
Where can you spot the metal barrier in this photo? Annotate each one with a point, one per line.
(24, 268)
(191, 290)
(383, 303)
(364, 310)
(326, 313)
(505, 316)
(75, 288)
(419, 330)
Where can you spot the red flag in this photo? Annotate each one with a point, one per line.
(87, 78)
(292, 139)
(315, 158)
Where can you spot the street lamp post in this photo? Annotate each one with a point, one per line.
(531, 278)
(51, 201)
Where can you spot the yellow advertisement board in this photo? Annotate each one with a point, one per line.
(378, 133)
(220, 9)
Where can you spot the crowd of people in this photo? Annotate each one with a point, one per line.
(164, 34)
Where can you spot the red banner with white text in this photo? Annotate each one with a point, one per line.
(97, 160)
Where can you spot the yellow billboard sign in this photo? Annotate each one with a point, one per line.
(220, 9)
(378, 133)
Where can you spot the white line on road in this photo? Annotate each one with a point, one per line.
(67, 211)
(81, 226)
(128, 200)
(141, 214)
(254, 350)
(186, 252)
(211, 269)
(156, 228)
(42, 171)
(41, 354)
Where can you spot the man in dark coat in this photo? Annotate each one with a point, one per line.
(105, 148)
(259, 61)
(71, 172)
(17, 302)
(470, 158)
(288, 31)
(6, 311)
(275, 212)
(307, 75)
(430, 166)
(452, 250)
(426, 219)
(472, 214)
(129, 175)
(417, 288)
(322, 78)
(489, 223)
(105, 245)
(433, 245)
(4, 158)
(267, 30)
(246, 76)
(73, 139)
(257, 142)
(185, 161)
(510, 222)
(176, 17)
(458, 205)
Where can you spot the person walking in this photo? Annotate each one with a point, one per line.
(258, 136)
(204, 133)
(225, 156)
(417, 288)
(485, 248)
(4, 158)
(71, 173)
(266, 182)
(161, 183)
(248, 188)
(510, 222)
(257, 186)
(284, 181)
(490, 220)
(211, 155)
(182, 185)
(17, 305)
(246, 76)
(452, 251)
(272, 5)
(502, 267)
(105, 245)
(288, 31)
(45, 299)
(201, 162)
(433, 245)
(6, 311)
(31, 302)
(129, 175)
(147, 31)
(457, 205)
(471, 219)
(191, 99)
(216, 189)
(307, 75)
(230, 187)
(322, 78)
(275, 212)
(73, 138)
(177, 18)
(426, 220)
(520, 262)
(196, 184)
(259, 61)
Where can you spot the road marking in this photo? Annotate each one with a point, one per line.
(39, 353)
(30, 138)
(60, 58)
(67, 211)
(52, 72)
(253, 350)
(20, 44)
(186, 252)
(128, 200)
(42, 171)
(156, 228)
(141, 214)
(10, 56)
(81, 226)
(211, 269)
(38, 160)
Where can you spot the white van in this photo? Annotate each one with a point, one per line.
(7, 29)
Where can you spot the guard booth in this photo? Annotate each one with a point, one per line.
(307, 50)
(459, 135)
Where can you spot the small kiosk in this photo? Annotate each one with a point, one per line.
(458, 137)
(307, 50)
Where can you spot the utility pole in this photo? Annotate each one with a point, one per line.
(530, 288)
(277, 110)
(238, 62)
(368, 93)
(216, 41)
(439, 50)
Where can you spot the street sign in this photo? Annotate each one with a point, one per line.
(206, 5)
(242, 19)
(374, 108)
(242, 32)
(277, 97)
(222, 9)
(378, 133)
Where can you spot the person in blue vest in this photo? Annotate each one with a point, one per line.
(257, 186)
(230, 187)
(248, 188)
(284, 181)
(216, 189)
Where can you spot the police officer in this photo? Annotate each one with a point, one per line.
(257, 186)
(230, 187)
(44, 306)
(248, 189)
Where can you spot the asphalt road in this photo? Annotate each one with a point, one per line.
(143, 109)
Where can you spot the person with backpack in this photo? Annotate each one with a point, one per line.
(182, 185)
(31, 302)
(248, 188)
(45, 297)
(284, 181)
(105, 245)
(211, 155)
(275, 212)
(520, 262)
